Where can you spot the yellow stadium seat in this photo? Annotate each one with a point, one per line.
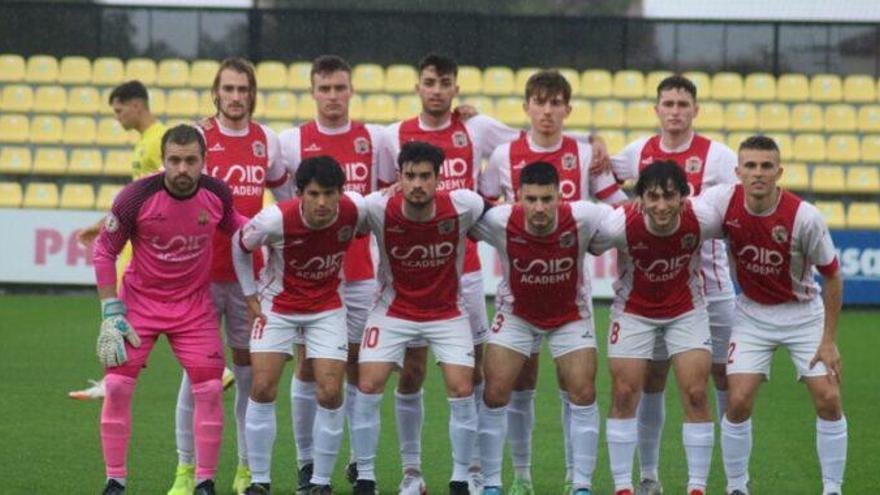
(840, 117)
(609, 113)
(77, 197)
(141, 69)
(740, 117)
(85, 162)
(206, 103)
(859, 88)
(10, 195)
(832, 211)
(380, 108)
(280, 125)
(483, 104)
(760, 86)
(510, 111)
(202, 72)
(581, 113)
(17, 98)
(703, 83)
(106, 194)
(570, 75)
(299, 76)
(828, 179)
(46, 129)
(810, 148)
(50, 99)
(14, 128)
(727, 86)
(40, 195)
(652, 80)
(12, 68)
(734, 139)
(15, 160)
(50, 161)
(104, 108)
(107, 71)
(75, 70)
(783, 141)
(368, 78)
(596, 83)
(356, 107)
(843, 148)
(173, 73)
(271, 74)
(714, 136)
(710, 116)
(869, 118)
(400, 78)
(305, 107)
(182, 103)
(628, 84)
(410, 105)
(807, 117)
(470, 80)
(862, 179)
(280, 105)
(863, 215)
(826, 88)
(640, 115)
(41, 69)
(615, 140)
(870, 149)
(157, 101)
(774, 117)
(795, 176)
(117, 163)
(111, 133)
(79, 130)
(638, 134)
(499, 81)
(792, 88)
(522, 77)
(258, 113)
(84, 99)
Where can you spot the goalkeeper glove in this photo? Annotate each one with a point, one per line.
(114, 328)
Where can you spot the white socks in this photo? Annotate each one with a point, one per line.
(622, 436)
(584, 439)
(736, 447)
(492, 430)
(462, 430)
(698, 440)
(651, 415)
(260, 430)
(350, 397)
(476, 459)
(244, 377)
(520, 423)
(565, 418)
(365, 426)
(303, 405)
(831, 440)
(410, 412)
(183, 422)
(329, 424)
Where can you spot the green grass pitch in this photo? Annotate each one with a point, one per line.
(50, 444)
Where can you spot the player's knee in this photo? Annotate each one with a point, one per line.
(696, 398)
(739, 406)
(370, 385)
(625, 398)
(582, 396)
(459, 389)
(263, 390)
(495, 397)
(828, 404)
(329, 395)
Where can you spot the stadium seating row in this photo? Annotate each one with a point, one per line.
(19, 160)
(492, 81)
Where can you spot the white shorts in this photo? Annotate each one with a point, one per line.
(358, 297)
(721, 313)
(232, 313)
(474, 299)
(323, 333)
(753, 341)
(386, 338)
(632, 336)
(517, 334)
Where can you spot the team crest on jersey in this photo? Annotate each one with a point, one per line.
(446, 226)
(688, 242)
(259, 149)
(693, 165)
(459, 139)
(345, 234)
(566, 240)
(779, 234)
(111, 224)
(203, 217)
(361, 146)
(568, 161)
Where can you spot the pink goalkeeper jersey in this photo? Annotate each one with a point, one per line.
(171, 243)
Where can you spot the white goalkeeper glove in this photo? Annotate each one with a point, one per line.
(114, 328)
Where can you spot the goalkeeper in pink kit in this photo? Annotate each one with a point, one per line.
(170, 219)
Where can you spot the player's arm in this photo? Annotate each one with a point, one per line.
(490, 181)
(818, 247)
(607, 230)
(276, 175)
(487, 227)
(625, 165)
(259, 231)
(600, 159)
(386, 167)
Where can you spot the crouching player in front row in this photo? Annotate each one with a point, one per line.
(170, 219)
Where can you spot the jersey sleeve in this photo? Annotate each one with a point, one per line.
(375, 211)
(709, 218)
(488, 134)
(490, 185)
(491, 227)
(625, 165)
(724, 163)
(816, 239)
(713, 202)
(361, 206)
(276, 176)
(264, 228)
(119, 227)
(602, 186)
(386, 168)
(469, 205)
(290, 154)
(379, 138)
(610, 231)
(152, 159)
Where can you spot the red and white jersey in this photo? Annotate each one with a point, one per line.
(773, 252)
(544, 278)
(304, 268)
(658, 275)
(707, 163)
(358, 148)
(420, 263)
(571, 159)
(247, 161)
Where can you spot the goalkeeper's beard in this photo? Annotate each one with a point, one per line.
(182, 185)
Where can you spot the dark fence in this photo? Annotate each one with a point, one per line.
(473, 38)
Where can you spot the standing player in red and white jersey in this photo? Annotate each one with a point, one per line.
(775, 239)
(422, 234)
(308, 238)
(244, 155)
(356, 146)
(544, 293)
(658, 296)
(547, 96)
(170, 219)
(706, 163)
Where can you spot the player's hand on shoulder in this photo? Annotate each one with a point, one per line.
(206, 123)
(391, 190)
(88, 235)
(828, 355)
(466, 112)
(601, 160)
(115, 330)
